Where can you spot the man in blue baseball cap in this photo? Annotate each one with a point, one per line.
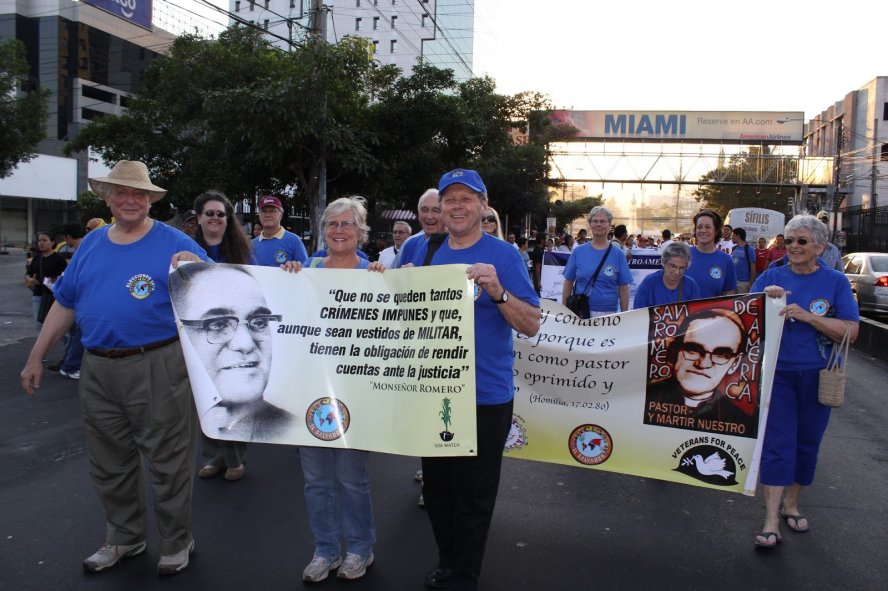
(460, 493)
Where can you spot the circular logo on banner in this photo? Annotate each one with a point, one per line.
(590, 445)
(280, 256)
(517, 437)
(140, 286)
(609, 271)
(327, 419)
(715, 272)
(819, 307)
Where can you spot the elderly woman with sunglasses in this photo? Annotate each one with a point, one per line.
(225, 242)
(669, 284)
(337, 481)
(819, 309)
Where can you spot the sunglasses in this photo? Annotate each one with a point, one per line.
(799, 241)
(213, 213)
(490, 219)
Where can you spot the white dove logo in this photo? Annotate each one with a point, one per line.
(713, 465)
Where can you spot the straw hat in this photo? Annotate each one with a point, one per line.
(128, 173)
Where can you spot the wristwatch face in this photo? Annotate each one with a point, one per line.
(504, 299)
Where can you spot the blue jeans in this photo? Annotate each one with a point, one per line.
(74, 350)
(337, 497)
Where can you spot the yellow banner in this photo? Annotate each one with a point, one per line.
(334, 358)
(677, 392)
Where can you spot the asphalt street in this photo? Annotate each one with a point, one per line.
(555, 527)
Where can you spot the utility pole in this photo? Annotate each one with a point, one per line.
(874, 199)
(318, 201)
(833, 200)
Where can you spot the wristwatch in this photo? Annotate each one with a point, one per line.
(502, 300)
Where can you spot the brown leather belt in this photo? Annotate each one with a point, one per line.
(121, 353)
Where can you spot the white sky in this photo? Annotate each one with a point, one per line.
(755, 55)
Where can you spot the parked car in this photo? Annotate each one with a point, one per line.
(868, 274)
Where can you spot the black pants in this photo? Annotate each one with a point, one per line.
(460, 494)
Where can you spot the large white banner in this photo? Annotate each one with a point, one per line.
(677, 392)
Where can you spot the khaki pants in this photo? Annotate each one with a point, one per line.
(136, 408)
(743, 286)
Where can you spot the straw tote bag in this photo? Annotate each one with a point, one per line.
(831, 390)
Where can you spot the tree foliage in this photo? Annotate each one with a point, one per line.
(240, 116)
(747, 169)
(23, 110)
(566, 212)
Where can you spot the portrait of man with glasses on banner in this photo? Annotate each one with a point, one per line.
(230, 327)
(703, 376)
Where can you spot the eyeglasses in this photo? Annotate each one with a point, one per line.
(799, 241)
(220, 329)
(676, 268)
(344, 225)
(696, 352)
(490, 219)
(214, 213)
(400, 232)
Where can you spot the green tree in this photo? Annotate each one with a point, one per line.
(567, 211)
(756, 178)
(23, 108)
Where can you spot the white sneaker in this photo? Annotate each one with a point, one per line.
(170, 564)
(418, 476)
(108, 555)
(74, 375)
(319, 568)
(355, 566)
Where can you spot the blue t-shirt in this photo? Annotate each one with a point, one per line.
(825, 292)
(274, 252)
(119, 292)
(316, 262)
(713, 272)
(605, 295)
(408, 248)
(213, 251)
(323, 253)
(493, 336)
(742, 262)
(653, 292)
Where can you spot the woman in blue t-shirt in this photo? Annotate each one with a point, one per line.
(599, 269)
(337, 481)
(225, 242)
(712, 269)
(819, 308)
(670, 284)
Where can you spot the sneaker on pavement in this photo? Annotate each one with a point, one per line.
(108, 555)
(171, 564)
(74, 375)
(421, 501)
(319, 568)
(355, 566)
(418, 476)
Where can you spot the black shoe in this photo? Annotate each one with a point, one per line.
(54, 366)
(438, 578)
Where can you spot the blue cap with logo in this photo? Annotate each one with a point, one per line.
(469, 178)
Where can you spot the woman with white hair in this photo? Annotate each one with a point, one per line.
(598, 269)
(669, 284)
(819, 309)
(337, 481)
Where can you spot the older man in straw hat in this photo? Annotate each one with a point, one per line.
(134, 392)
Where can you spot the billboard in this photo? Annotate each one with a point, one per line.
(679, 126)
(137, 12)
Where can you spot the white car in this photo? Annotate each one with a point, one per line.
(868, 274)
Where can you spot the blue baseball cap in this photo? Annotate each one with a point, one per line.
(469, 178)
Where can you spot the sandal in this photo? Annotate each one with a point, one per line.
(768, 544)
(794, 524)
